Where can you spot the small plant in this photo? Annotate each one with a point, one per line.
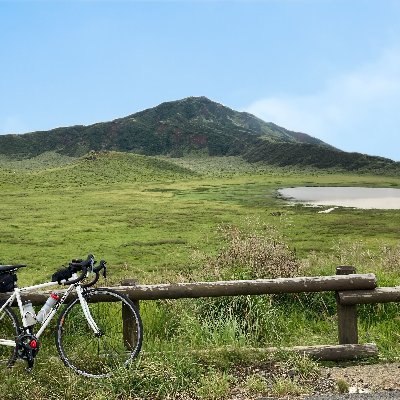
(286, 387)
(299, 365)
(213, 385)
(342, 386)
(256, 384)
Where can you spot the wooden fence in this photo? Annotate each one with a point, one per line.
(350, 288)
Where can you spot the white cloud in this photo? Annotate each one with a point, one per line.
(356, 111)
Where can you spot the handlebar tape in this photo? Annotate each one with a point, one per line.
(78, 265)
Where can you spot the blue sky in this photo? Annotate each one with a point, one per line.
(330, 68)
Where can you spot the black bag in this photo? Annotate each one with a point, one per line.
(7, 282)
(61, 274)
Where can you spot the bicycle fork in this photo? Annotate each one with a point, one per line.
(87, 313)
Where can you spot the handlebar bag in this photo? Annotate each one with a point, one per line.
(61, 274)
(7, 282)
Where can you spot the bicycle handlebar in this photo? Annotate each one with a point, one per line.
(102, 266)
(63, 276)
(81, 277)
(79, 265)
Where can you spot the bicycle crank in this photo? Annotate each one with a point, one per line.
(27, 348)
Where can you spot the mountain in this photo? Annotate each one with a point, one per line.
(194, 124)
(172, 128)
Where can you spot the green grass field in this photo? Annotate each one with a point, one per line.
(162, 220)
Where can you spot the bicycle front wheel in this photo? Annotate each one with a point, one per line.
(9, 327)
(119, 340)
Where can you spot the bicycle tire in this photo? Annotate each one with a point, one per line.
(119, 343)
(9, 329)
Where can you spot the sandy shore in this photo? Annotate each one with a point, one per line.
(355, 197)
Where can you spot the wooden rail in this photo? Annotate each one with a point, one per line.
(233, 288)
(251, 287)
(378, 295)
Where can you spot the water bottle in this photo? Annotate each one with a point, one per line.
(29, 313)
(45, 310)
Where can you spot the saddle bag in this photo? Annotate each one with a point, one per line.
(7, 282)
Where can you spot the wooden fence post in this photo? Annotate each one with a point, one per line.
(129, 325)
(347, 314)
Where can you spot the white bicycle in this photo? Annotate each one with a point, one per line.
(98, 331)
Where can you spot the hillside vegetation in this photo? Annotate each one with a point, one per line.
(192, 126)
(322, 157)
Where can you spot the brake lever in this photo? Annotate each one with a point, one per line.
(103, 266)
(105, 271)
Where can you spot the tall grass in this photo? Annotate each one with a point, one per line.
(258, 253)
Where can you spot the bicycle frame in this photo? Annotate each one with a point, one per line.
(16, 295)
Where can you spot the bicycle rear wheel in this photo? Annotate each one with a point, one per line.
(120, 339)
(9, 328)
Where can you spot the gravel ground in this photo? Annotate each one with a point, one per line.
(358, 396)
(372, 382)
(357, 382)
(367, 378)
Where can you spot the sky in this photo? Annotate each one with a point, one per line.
(329, 68)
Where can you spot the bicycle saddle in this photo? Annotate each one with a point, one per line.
(5, 268)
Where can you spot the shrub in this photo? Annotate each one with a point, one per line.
(254, 255)
(390, 257)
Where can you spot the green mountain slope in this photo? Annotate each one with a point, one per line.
(102, 168)
(192, 125)
(308, 155)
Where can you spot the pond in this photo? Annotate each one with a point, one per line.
(357, 197)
